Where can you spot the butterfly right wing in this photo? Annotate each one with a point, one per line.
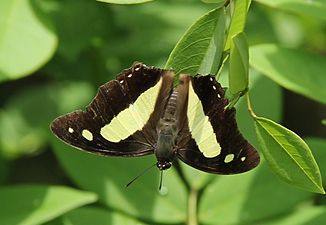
(121, 120)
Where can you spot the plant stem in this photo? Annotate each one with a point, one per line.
(192, 207)
(251, 111)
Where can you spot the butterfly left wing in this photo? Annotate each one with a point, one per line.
(209, 139)
(121, 120)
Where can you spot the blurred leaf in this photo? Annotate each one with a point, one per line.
(200, 48)
(288, 155)
(323, 122)
(24, 126)
(219, 3)
(296, 70)
(94, 216)
(27, 41)
(238, 199)
(108, 176)
(125, 1)
(309, 215)
(36, 204)
(78, 36)
(3, 170)
(238, 20)
(239, 64)
(314, 8)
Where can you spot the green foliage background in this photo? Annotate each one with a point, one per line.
(54, 55)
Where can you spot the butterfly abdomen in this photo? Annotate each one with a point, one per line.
(167, 133)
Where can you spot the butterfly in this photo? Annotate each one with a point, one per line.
(141, 113)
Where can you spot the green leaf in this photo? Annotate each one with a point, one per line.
(288, 155)
(36, 204)
(200, 48)
(323, 122)
(238, 20)
(95, 216)
(239, 64)
(308, 215)
(311, 8)
(108, 176)
(27, 41)
(296, 70)
(238, 199)
(125, 1)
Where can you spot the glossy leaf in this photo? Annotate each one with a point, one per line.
(288, 155)
(308, 7)
(200, 48)
(125, 1)
(239, 64)
(296, 70)
(108, 176)
(95, 216)
(27, 41)
(238, 20)
(238, 199)
(318, 147)
(36, 204)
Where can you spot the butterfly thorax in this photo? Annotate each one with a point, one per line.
(167, 134)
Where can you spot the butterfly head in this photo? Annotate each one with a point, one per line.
(163, 164)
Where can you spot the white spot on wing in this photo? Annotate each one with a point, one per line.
(211, 79)
(130, 75)
(87, 134)
(228, 158)
(121, 81)
(218, 95)
(243, 158)
(137, 68)
(70, 130)
(214, 87)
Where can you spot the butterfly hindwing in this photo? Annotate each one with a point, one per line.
(122, 118)
(210, 139)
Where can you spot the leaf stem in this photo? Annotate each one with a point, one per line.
(251, 111)
(192, 207)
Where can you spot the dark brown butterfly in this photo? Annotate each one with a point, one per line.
(140, 113)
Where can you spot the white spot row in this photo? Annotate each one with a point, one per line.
(85, 133)
(229, 158)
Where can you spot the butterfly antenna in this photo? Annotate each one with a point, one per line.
(141, 174)
(161, 181)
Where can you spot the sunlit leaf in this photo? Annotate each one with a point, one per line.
(200, 48)
(217, 2)
(27, 41)
(288, 155)
(125, 1)
(238, 199)
(36, 204)
(323, 122)
(108, 176)
(239, 64)
(238, 19)
(314, 8)
(294, 69)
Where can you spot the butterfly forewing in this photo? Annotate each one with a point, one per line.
(210, 139)
(122, 118)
